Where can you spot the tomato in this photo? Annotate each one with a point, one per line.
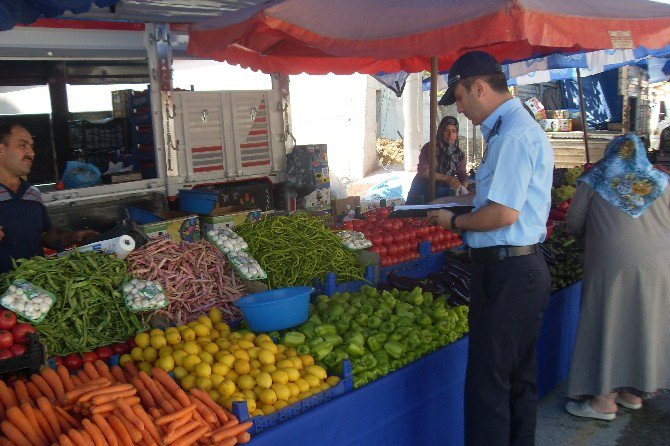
(104, 353)
(382, 250)
(6, 339)
(392, 249)
(388, 225)
(20, 332)
(348, 225)
(120, 348)
(388, 239)
(58, 360)
(131, 343)
(7, 319)
(73, 362)
(89, 356)
(377, 239)
(5, 353)
(18, 349)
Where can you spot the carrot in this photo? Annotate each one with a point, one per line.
(14, 433)
(64, 376)
(130, 369)
(181, 432)
(108, 407)
(66, 416)
(243, 437)
(133, 431)
(64, 424)
(150, 385)
(120, 430)
(22, 392)
(227, 432)
(73, 395)
(107, 397)
(23, 423)
(90, 370)
(176, 424)
(227, 442)
(31, 416)
(117, 373)
(43, 386)
(147, 399)
(78, 438)
(210, 403)
(203, 410)
(172, 387)
(114, 388)
(165, 419)
(106, 429)
(189, 439)
(2, 410)
(4, 441)
(102, 369)
(64, 440)
(94, 432)
(46, 427)
(76, 382)
(231, 423)
(128, 413)
(34, 392)
(83, 377)
(47, 409)
(146, 420)
(7, 396)
(54, 381)
(154, 412)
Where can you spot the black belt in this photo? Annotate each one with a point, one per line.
(494, 253)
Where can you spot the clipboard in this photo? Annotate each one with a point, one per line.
(421, 210)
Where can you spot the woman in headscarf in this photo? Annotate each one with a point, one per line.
(621, 210)
(450, 168)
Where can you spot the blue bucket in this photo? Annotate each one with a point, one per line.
(197, 201)
(276, 309)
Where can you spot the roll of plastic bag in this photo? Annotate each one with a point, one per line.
(118, 247)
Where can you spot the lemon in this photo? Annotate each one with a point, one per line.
(297, 362)
(178, 356)
(166, 350)
(173, 337)
(215, 315)
(268, 368)
(203, 383)
(226, 388)
(281, 348)
(172, 330)
(282, 391)
(302, 384)
(241, 354)
(253, 352)
(323, 387)
(223, 343)
(220, 368)
(279, 376)
(269, 345)
(179, 372)
(142, 340)
(249, 335)
(234, 347)
(249, 395)
(307, 360)
(214, 395)
(191, 347)
(268, 409)
(156, 331)
(145, 367)
(182, 327)
(221, 327)
(202, 340)
(294, 389)
(125, 358)
(188, 334)
(243, 343)
(190, 361)
(267, 396)
(256, 412)
(150, 354)
(214, 333)
(242, 367)
(203, 370)
(207, 322)
(262, 338)
(291, 353)
(211, 348)
(255, 364)
(188, 382)
(284, 363)
(178, 346)
(166, 363)
(317, 371)
(280, 404)
(333, 380)
(206, 357)
(293, 400)
(191, 324)
(232, 375)
(254, 372)
(266, 357)
(312, 380)
(292, 373)
(216, 379)
(251, 405)
(136, 354)
(200, 329)
(246, 382)
(230, 400)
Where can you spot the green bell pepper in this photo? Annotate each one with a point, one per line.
(388, 300)
(374, 322)
(303, 349)
(387, 327)
(373, 344)
(326, 329)
(334, 340)
(293, 339)
(413, 340)
(355, 349)
(423, 320)
(427, 298)
(321, 350)
(394, 349)
(361, 319)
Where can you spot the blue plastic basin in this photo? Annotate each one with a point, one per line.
(276, 309)
(142, 217)
(197, 201)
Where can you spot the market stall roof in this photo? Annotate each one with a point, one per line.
(372, 36)
(14, 12)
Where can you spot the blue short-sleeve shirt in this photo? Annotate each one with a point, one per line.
(516, 172)
(23, 218)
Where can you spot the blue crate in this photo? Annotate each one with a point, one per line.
(416, 269)
(197, 201)
(262, 423)
(435, 261)
(330, 287)
(113, 360)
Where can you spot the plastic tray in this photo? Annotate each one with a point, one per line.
(261, 423)
(32, 361)
(330, 287)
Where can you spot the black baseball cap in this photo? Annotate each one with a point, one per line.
(474, 63)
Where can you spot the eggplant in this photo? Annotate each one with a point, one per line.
(465, 284)
(402, 283)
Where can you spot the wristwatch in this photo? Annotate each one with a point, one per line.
(453, 222)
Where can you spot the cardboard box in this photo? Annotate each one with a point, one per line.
(341, 207)
(556, 125)
(536, 108)
(558, 114)
(177, 225)
(223, 217)
(319, 154)
(372, 204)
(326, 216)
(319, 200)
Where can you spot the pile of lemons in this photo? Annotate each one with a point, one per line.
(231, 365)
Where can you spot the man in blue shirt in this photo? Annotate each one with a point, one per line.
(24, 223)
(510, 281)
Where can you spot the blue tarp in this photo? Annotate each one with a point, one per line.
(14, 12)
(601, 98)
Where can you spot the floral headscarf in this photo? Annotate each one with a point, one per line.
(448, 156)
(625, 177)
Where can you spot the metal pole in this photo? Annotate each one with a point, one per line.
(583, 115)
(432, 161)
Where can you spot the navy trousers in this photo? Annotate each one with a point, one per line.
(508, 298)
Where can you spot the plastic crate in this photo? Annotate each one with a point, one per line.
(416, 269)
(434, 262)
(197, 201)
(330, 287)
(31, 361)
(111, 362)
(262, 423)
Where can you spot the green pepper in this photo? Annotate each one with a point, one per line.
(382, 358)
(388, 300)
(355, 349)
(382, 313)
(373, 344)
(334, 340)
(303, 349)
(427, 298)
(361, 319)
(387, 327)
(394, 349)
(423, 320)
(326, 329)
(308, 329)
(314, 319)
(366, 309)
(356, 337)
(365, 362)
(415, 296)
(439, 312)
(322, 307)
(402, 308)
(374, 322)
(321, 350)
(413, 340)
(407, 320)
(342, 326)
(333, 361)
(293, 339)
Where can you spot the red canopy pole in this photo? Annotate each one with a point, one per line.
(432, 161)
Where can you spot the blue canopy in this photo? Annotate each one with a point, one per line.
(13, 12)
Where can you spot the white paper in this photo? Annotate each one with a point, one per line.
(412, 207)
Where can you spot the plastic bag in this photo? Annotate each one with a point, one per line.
(300, 172)
(27, 300)
(247, 267)
(353, 240)
(78, 174)
(226, 240)
(144, 295)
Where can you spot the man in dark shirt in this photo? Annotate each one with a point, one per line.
(24, 222)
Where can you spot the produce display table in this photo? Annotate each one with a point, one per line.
(422, 403)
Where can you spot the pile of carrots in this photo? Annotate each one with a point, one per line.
(117, 406)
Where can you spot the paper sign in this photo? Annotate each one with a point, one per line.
(621, 40)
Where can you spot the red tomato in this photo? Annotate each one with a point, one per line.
(347, 225)
(58, 360)
(6, 339)
(392, 249)
(89, 356)
(104, 353)
(382, 250)
(131, 343)
(5, 353)
(18, 349)
(120, 348)
(7, 319)
(20, 332)
(388, 239)
(377, 239)
(388, 225)
(73, 362)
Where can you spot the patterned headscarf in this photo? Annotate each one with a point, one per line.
(625, 177)
(448, 156)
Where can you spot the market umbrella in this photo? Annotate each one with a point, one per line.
(372, 36)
